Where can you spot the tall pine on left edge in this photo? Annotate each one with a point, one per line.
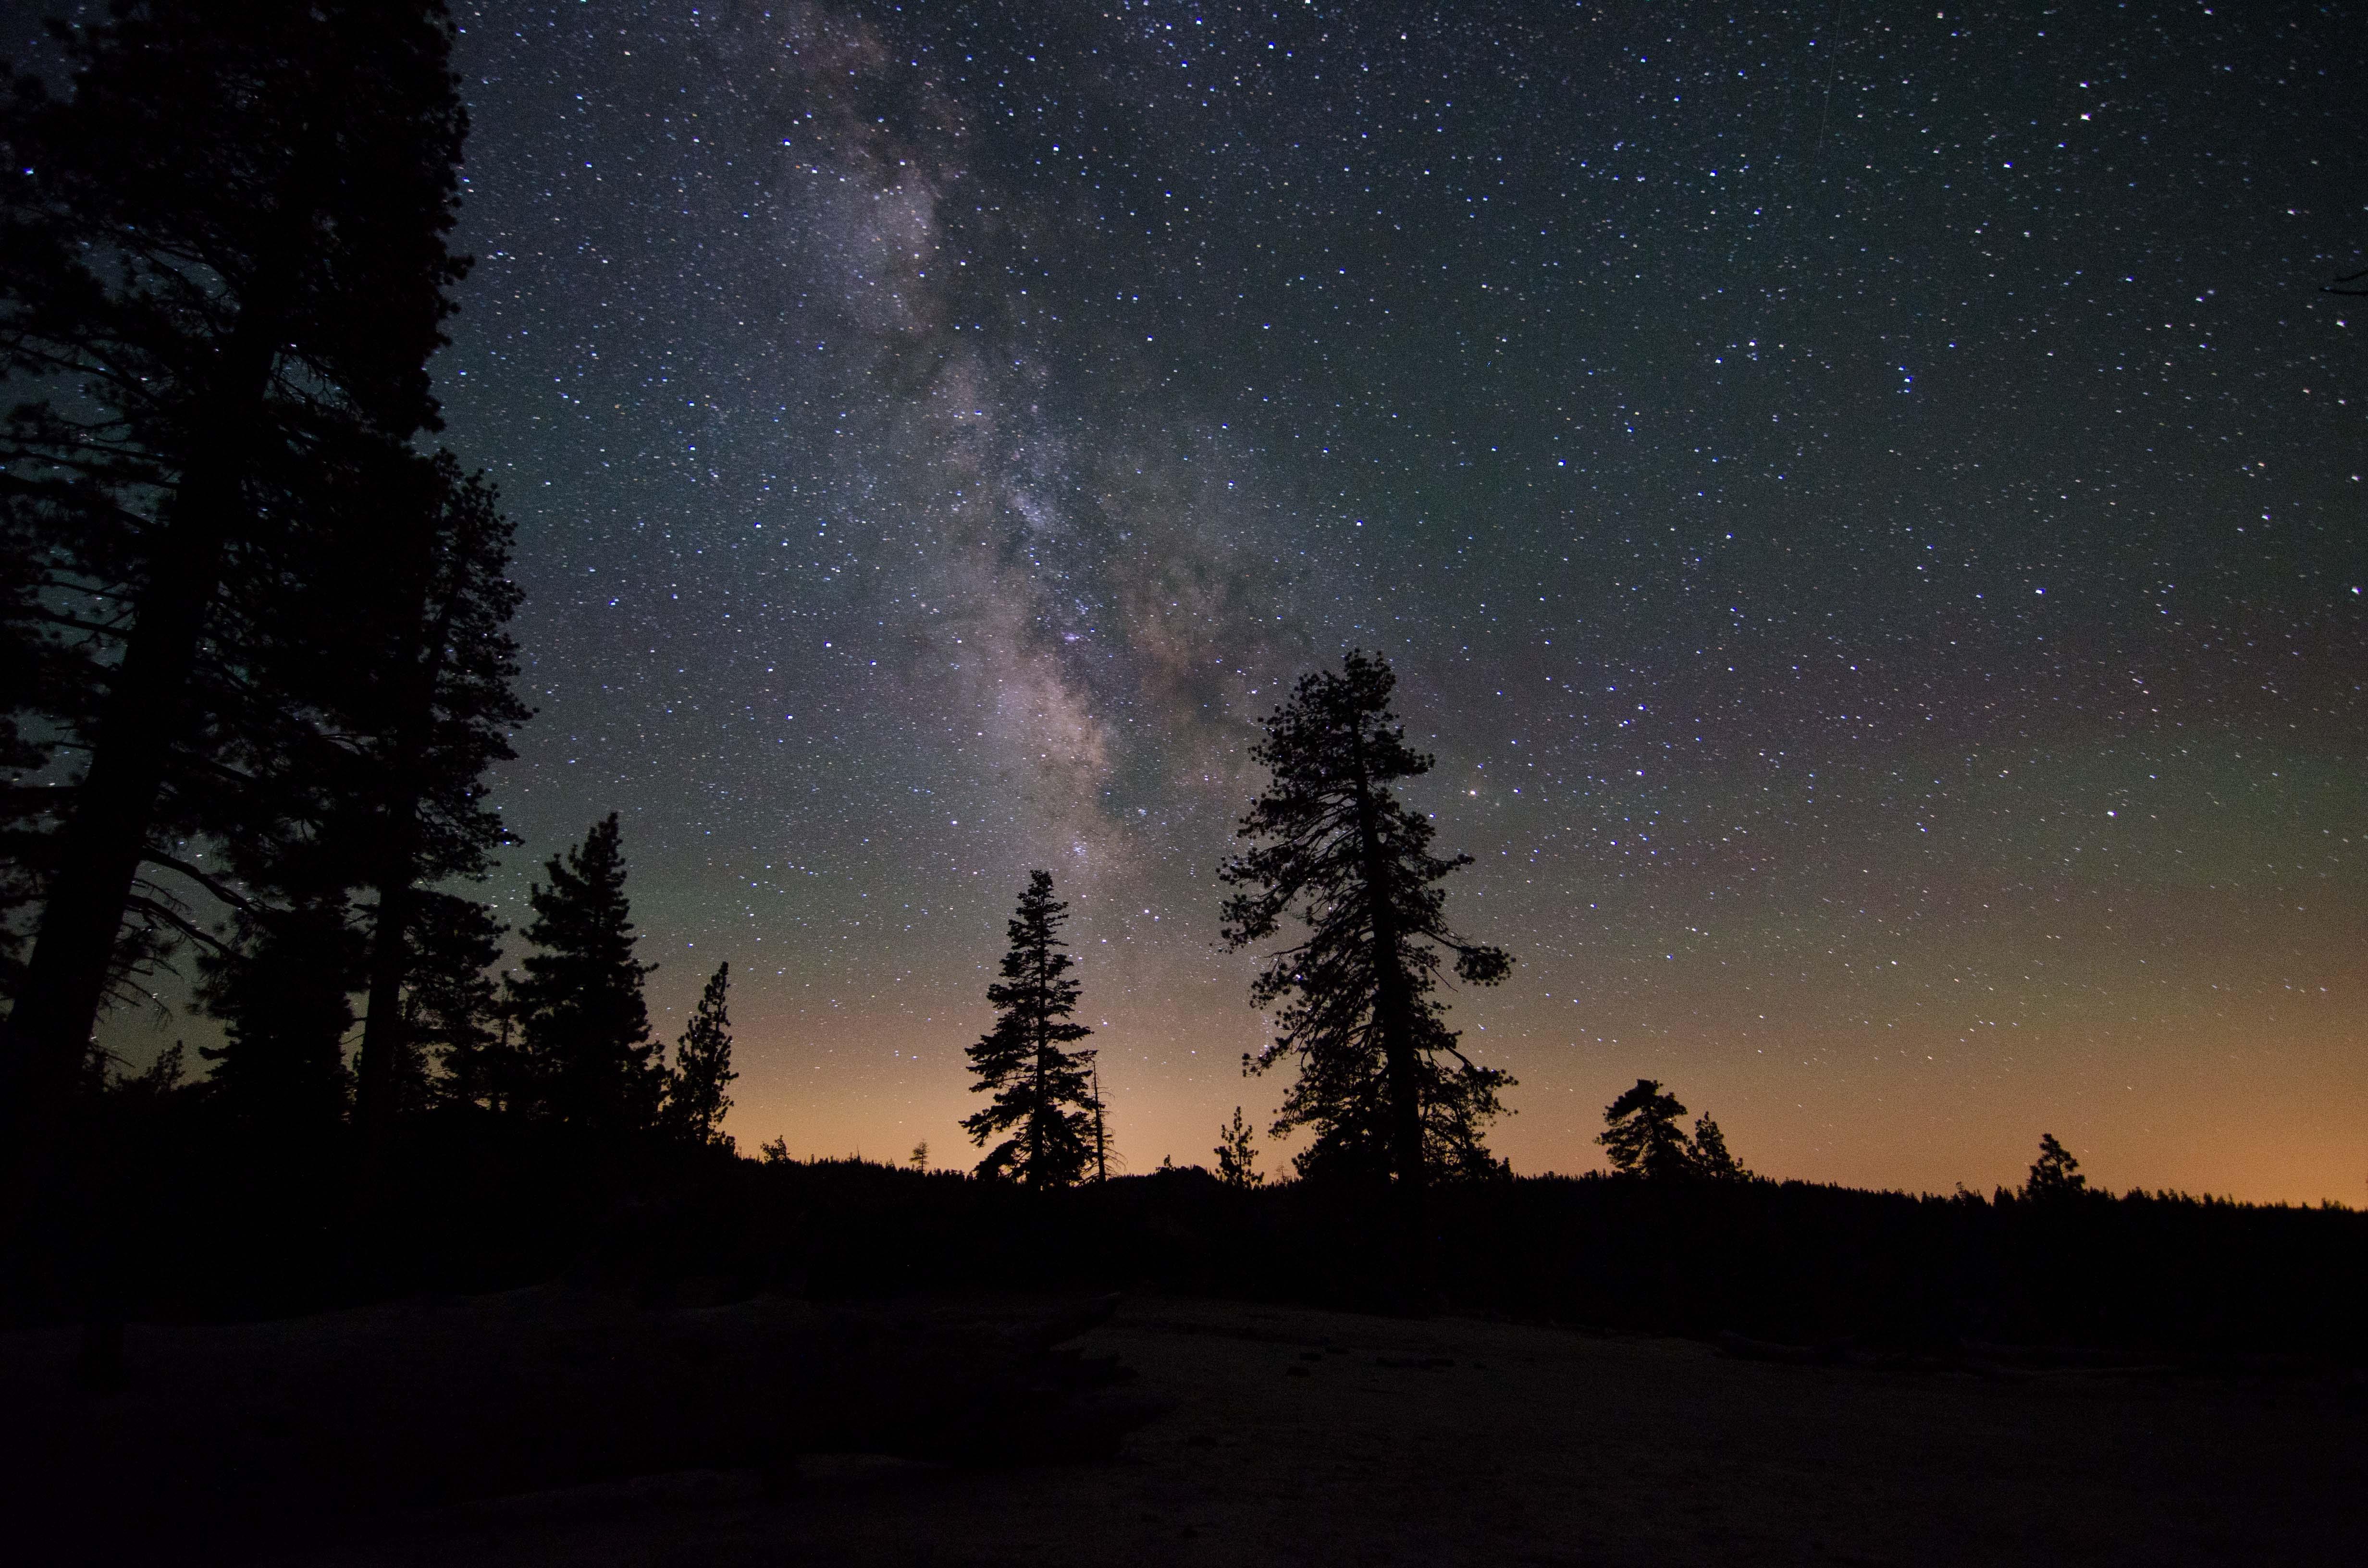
(1043, 1094)
(222, 255)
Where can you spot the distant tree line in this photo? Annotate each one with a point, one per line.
(2029, 1277)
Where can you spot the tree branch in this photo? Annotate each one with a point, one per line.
(214, 885)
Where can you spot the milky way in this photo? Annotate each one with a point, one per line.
(1864, 505)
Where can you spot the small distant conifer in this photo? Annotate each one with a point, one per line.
(2055, 1174)
(1237, 1154)
(1711, 1158)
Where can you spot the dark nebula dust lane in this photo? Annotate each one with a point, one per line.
(1865, 506)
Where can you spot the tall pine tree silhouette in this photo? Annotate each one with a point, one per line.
(222, 255)
(438, 717)
(1380, 1077)
(589, 1061)
(1042, 1093)
(695, 1101)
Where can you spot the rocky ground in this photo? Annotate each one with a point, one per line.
(1303, 1436)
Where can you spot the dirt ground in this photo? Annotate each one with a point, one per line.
(1303, 1436)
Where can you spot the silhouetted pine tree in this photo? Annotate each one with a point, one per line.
(438, 717)
(1040, 1089)
(1236, 1153)
(222, 253)
(1711, 1158)
(1356, 864)
(2055, 1174)
(695, 1101)
(1641, 1136)
(584, 1029)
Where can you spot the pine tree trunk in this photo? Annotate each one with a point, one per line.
(1101, 1145)
(1389, 1000)
(53, 1205)
(382, 1026)
(99, 852)
(1392, 1011)
(48, 1032)
(1036, 1116)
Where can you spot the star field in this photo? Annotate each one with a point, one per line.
(1864, 505)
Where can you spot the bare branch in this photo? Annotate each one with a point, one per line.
(212, 885)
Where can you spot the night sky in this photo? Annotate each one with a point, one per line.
(1863, 502)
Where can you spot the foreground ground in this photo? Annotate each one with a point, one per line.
(1303, 1436)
